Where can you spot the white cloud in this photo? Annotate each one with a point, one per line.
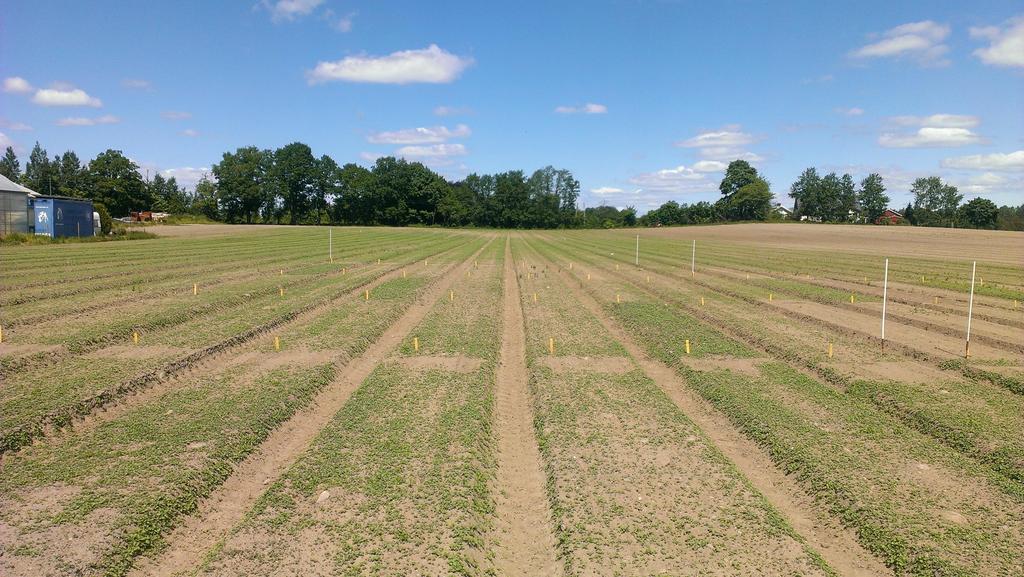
(588, 108)
(605, 190)
(344, 24)
(190, 132)
(136, 84)
(420, 135)
(710, 166)
(186, 176)
(678, 180)
(854, 111)
(176, 115)
(726, 143)
(17, 126)
(430, 65)
(433, 151)
(65, 96)
(5, 141)
(452, 111)
(17, 85)
(83, 121)
(289, 9)
(1006, 46)
(930, 137)
(938, 120)
(920, 41)
(998, 161)
(371, 156)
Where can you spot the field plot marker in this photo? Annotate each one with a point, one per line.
(638, 250)
(451, 296)
(693, 259)
(830, 349)
(277, 343)
(852, 298)
(551, 345)
(885, 298)
(195, 289)
(617, 299)
(687, 346)
(970, 311)
(281, 289)
(701, 301)
(330, 244)
(416, 344)
(769, 297)
(366, 294)
(135, 337)
(1, 334)
(534, 297)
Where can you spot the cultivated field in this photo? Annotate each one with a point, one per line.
(234, 401)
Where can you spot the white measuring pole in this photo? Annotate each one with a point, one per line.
(638, 250)
(693, 258)
(330, 244)
(885, 298)
(970, 310)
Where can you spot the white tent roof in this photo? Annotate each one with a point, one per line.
(8, 185)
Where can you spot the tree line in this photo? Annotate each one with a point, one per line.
(292, 185)
(837, 198)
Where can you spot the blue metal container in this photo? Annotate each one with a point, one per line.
(59, 216)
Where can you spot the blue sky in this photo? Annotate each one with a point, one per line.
(643, 101)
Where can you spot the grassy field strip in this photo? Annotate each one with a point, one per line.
(800, 287)
(58, 342)
(212, 274)
(52, 398)
(397, 481)
(920, 506)
(945, 358)
(837, 545)
(637, 487)
(1002, 283)
(124, 483)
(522, 538)
(980, 420)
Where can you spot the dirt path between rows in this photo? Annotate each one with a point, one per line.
(837, 545)
(226, 507)
(524, 539)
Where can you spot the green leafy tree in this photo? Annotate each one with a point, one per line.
(40, 172)
(873, 200)
(9, 165)
(737, 175)
(115, 181)
(204, 201)
(980, 213)
(242, 183)
(935, 203)
(752, 201)
(805, 193)
(71, 176)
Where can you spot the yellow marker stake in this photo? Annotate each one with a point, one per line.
(922, 278)
(769, 297)
(135, 337)
(851, 298)
(403, 273)
(534, 297)
(701, 301)
(416, 344)
(282, 272)
(195, 288)
(551, 346)
(937, 300)
(570, 266)
(588, 276)
(451, 296)
(366, 295)
(617, 299)
(687, 346)
(865, 279)
(1, 334)
(648, 278)
(748, 276)
(282, 291)
(378, 261)
(830, 350)
(277, 343)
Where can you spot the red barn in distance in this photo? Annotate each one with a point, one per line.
(889, 217)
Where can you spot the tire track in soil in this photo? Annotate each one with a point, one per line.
(139, 388)
(227, 505)
(836, 544)
(525, 543)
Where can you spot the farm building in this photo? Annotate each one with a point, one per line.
(59, 216)
(890, 217)
(15, 207)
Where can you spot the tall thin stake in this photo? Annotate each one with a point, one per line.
(638, 250)
(693, 258)
(970, 311)
(330, 244)
(885, 298)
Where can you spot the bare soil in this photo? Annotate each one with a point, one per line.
(454, 363)
(613, 365)
(524, 540)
